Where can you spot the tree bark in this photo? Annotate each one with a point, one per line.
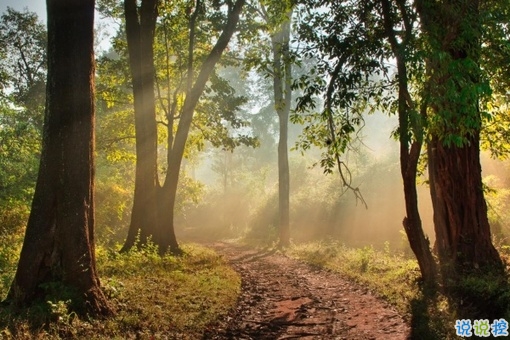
(412, 222)
(463, 236)
(282, 73)
(409, 156)
(140, 30)
(59, 239)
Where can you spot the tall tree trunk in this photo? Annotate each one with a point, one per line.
(409, 156)
(140, 30)
(282, 73)
(463, 237)
(153, 206)
(59, 240)
(412, 222)
(169, 189)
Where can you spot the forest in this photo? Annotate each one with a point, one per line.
(255, 169)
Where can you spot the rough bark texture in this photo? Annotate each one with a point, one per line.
(140, 29)
(409, 156)
(59, 240)
(463, 237)
(282, 73)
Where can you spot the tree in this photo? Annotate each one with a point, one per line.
(282, 78)
(59, 242)
(339, 88)
(410, 131)
(162, 198)
(192, 97)
(278, 17)
(441, 92)
(23, 65)
(453, 31)
(140, 30)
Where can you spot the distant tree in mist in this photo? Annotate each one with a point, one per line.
(276, 17)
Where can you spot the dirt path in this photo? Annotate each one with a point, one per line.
(282, 298)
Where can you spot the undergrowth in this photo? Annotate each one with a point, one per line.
(154, 297)
(394, 277)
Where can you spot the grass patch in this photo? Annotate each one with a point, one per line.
(155, 297)
(391, 276)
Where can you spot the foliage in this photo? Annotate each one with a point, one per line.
(218, 118)
(12, 221)
(498, 200)
(22, 73)
(482, 296)
(494, 62)
(22, 97)
(19, 156)
(115, 120)
(113, 201)
(351, 61)
(189, 193)
(495, 135)
(154, 297)
(471, 74)
(221, 117)
(23, 60)
(264, 22)
(174, 76)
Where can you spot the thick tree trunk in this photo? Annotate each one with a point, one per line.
(282, 73)
(59, 240)
(140, 28)
(463, 236)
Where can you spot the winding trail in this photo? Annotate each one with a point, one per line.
(282, 298)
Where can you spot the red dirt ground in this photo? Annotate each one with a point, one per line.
(282, 298)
